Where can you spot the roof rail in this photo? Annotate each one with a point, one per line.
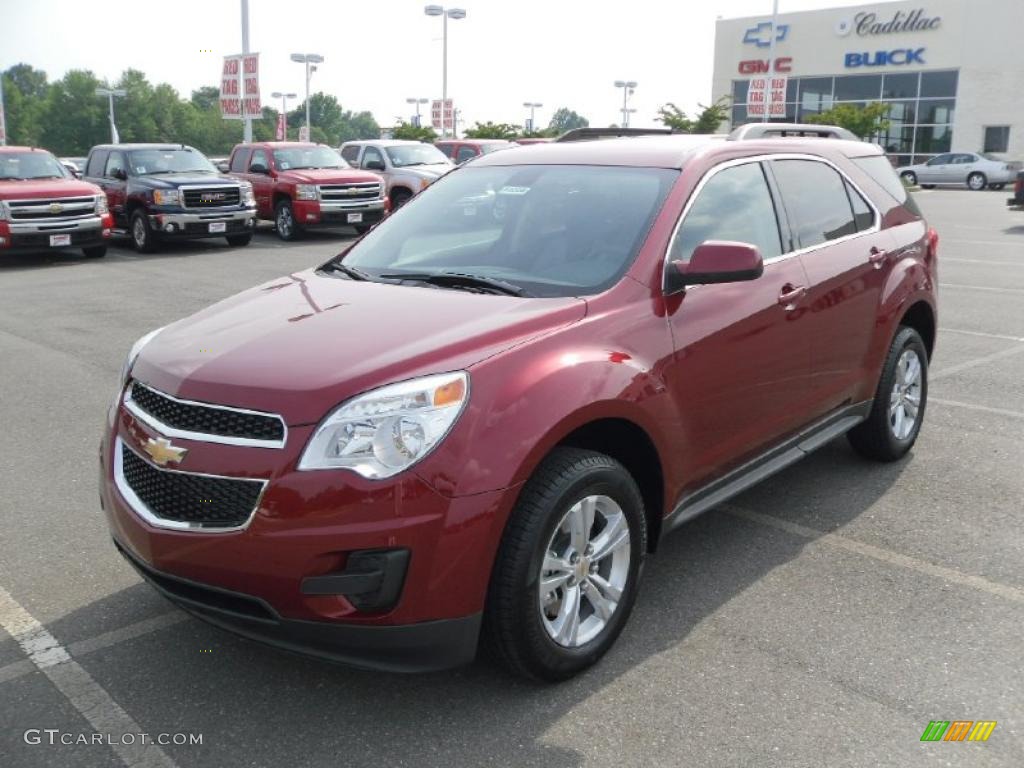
(769, 130)
(587, 134)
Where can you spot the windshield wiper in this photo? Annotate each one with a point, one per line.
(345, 269)
(459, 280)
(410, 165)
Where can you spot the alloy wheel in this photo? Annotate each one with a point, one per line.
(905, 398)
(585, 570)
(285, 223)
(139, 232)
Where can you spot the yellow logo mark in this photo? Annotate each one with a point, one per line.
(161, 451)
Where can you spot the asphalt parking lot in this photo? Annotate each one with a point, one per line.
(821, 619)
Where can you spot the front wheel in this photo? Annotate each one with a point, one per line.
(898, 409)
(143, 237)
(284, 220)
(238, 241)
(399, 198)
(568, 566)
(977, 181)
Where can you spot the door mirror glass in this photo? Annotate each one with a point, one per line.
(257, 168)
(222, 166)
(374, 165)
(119, 173)
(719, 261)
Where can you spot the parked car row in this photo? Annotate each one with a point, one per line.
(976, 170)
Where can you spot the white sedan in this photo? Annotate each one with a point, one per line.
(975, 169)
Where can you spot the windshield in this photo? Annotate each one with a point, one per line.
(307, 157)
(30, 165)
(552, 230)
(415, 154)
(147, 161)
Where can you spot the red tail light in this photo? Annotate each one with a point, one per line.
(1018, 187)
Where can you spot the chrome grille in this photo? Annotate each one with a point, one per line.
(202, 421)
(369, 190)
(52, 209)
(210, 197)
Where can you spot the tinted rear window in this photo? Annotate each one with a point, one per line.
(881, 171)
(816, 201)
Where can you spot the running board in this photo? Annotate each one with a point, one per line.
(767, 464)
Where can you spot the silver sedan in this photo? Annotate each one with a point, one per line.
(975, 169)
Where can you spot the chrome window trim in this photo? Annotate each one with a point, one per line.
(140, 509)
(168, 431)
(875, 226)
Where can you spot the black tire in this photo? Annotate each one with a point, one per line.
(977, 181)
(95, 251)
(144, 239)
(875, 438)
(399, 198)
(513, 630)
(239, 241)
(910, 177)
(284, 220)
(362, 229)
(927, 186)
(996, 187)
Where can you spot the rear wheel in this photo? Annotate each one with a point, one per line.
(143, 237)
(977, 181)
(284, 220)
(898, 409)
(568, 566)
(996, 187)
(95, 251)
(910, 177)
(237, 241)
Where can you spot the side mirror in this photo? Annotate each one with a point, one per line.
(223, 167)
(716, 261)
(258, 168)
(374, 165)
(119, 173)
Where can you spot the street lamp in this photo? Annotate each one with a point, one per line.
(447, 13)
(307, 59)
(284, 107)
(417, 102)
(627, 86)
(110, 93)
(532, 105)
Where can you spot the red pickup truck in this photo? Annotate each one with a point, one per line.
(300, 185)
(43, 207)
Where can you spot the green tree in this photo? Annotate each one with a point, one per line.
(357, 125)
(864, 121)
(491, 130)
(25, 90)
(410, 132)
(707, 121)
(74, 117)
(564, 119)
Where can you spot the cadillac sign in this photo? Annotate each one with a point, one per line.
(866, 24)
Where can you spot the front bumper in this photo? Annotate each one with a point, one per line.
(19, 237)
(336, 213)
(191, 225)
(303, 567)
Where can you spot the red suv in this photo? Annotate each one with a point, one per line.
(481, 424)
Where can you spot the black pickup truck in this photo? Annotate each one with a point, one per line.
(1016, 202)
(170, 191)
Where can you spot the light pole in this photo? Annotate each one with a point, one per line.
(447, 13)
(110, 93)
(417, 102)
(627, 86)
(284, 107)
(532, 105)
(307, 59)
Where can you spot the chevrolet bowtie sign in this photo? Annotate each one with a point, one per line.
(761, 35)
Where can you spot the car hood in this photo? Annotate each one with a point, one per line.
(46, 188)
(327, 176)
(301, 344)
(433, 171)
(174, 180)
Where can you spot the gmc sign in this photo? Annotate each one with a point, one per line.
(760, 66)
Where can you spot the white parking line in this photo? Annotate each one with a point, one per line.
(982, 334)
(838, 541)
(86, 695)
(990, 289)
(976, 362)
(1007, 243)
(975, 407)
(986, 262)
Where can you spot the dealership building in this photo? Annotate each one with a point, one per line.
(950, 70)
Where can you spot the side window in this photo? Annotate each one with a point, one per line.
(863, 216)
(350, 154)
(240, 160)
(97, 162)
(940, 160)
(371, 154)
(964, 159)
(816, 201)
(259, 157)
(446, 148)
(734, 204)
(464, 154)
(115, 163)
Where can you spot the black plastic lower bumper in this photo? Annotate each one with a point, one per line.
(423, 647)
(40, 241)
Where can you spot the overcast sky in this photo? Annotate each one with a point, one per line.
(379, 52)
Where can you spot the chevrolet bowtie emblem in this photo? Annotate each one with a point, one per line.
(161, 451)
(56, 208)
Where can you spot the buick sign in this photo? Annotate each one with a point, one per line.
(895, 58)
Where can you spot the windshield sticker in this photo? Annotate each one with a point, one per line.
(513, 190)
(140, 168)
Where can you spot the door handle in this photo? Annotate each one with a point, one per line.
(877, 257)
(790, 295)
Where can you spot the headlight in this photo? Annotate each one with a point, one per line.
(133, 354)
(305, 192)
(101, 205)
(386, 431)
(247, 196)
(3, 211)
(166, 196)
